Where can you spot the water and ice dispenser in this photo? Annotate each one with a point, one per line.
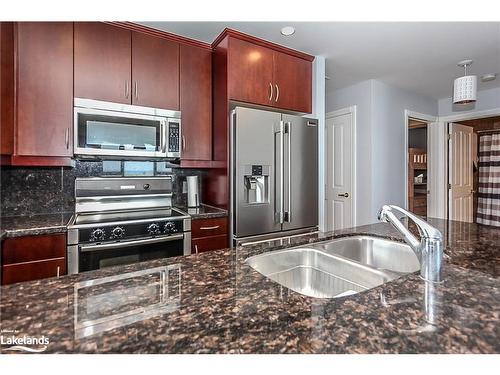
(256, 180)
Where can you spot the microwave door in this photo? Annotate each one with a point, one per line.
(105, 133)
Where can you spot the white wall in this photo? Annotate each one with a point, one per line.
(381, 154)
(359, 95)
(388, 141)
(486, 99)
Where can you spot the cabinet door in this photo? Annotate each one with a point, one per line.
(33, 257)
(102, 62)
(293, 83)
(155, 72)
(250, 72)
(44, 88)
(196, 102)
(201, 245)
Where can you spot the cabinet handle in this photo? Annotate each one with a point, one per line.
(196, 249)
(57, 271)
(277, 92)
(270, 91)
(66, 138)
(136, 90)
(183, 142)
(126, 89)
(210, 228)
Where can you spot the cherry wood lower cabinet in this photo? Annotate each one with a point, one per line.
(209, 234)
(33, 257)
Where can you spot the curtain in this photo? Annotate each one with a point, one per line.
(488, 208)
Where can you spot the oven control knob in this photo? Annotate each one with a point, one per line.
(153, 228)
(118, 232)
(97, 235)
(169, 228)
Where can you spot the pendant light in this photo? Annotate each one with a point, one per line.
(465, 87)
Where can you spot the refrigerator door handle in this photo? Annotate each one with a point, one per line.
(280, 167)
(288, 213)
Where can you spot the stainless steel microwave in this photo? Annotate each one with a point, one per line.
(121, 131)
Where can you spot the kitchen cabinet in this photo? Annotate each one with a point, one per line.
(196, 102)
(209, 234)
(42, 85)
(103, 62)
(119, 65)
(250, 72)
(293, 83)
(155, 72)
(264, 76)
(33, 257)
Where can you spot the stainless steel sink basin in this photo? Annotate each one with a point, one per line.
(315, 273)
(374, 252)
(338, 267)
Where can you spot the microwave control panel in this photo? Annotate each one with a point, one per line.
(173, 137)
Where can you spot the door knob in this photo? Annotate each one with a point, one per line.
(345, 195)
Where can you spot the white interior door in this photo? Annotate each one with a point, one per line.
(460, 173)
(339, 174)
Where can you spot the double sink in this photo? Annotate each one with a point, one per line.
(338, 267)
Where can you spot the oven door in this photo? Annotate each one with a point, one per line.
(94, 257)
(101, 133)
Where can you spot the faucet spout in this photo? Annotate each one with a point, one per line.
(429, 249)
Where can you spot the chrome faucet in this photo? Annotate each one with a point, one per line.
(429, 249)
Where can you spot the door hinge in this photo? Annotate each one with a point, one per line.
(449, 136)
(449, 186)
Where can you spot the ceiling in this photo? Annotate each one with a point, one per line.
(416, 56)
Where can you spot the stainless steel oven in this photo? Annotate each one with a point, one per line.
(121, 131)
(97, 256)
(123, 220)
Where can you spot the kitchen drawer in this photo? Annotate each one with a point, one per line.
(33, 248)
(201, 245)
(209, 227)
(15, 273)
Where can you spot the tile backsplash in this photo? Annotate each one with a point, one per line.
(37, 190)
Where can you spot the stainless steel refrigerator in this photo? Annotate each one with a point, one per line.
(274, 174)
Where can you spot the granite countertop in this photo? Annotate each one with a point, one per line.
(16, 226)
(203, 212)
(215, 303)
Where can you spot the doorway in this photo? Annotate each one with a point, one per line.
(340, 169)
(473, 170)
(417, 166)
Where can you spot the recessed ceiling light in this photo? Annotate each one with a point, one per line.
(287, 30)
(488, 77)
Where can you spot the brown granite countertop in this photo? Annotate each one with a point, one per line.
(16, 226)
(215, 303)
(203, 212)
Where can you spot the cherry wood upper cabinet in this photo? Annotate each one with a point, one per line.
(265, 75)
(103, 62)
(250, 72)
(293, 83)
(155, 72)
(196, 102)
(44, 89)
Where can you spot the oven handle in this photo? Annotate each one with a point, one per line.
(118, 245)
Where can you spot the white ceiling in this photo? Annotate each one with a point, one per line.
(417, 56)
